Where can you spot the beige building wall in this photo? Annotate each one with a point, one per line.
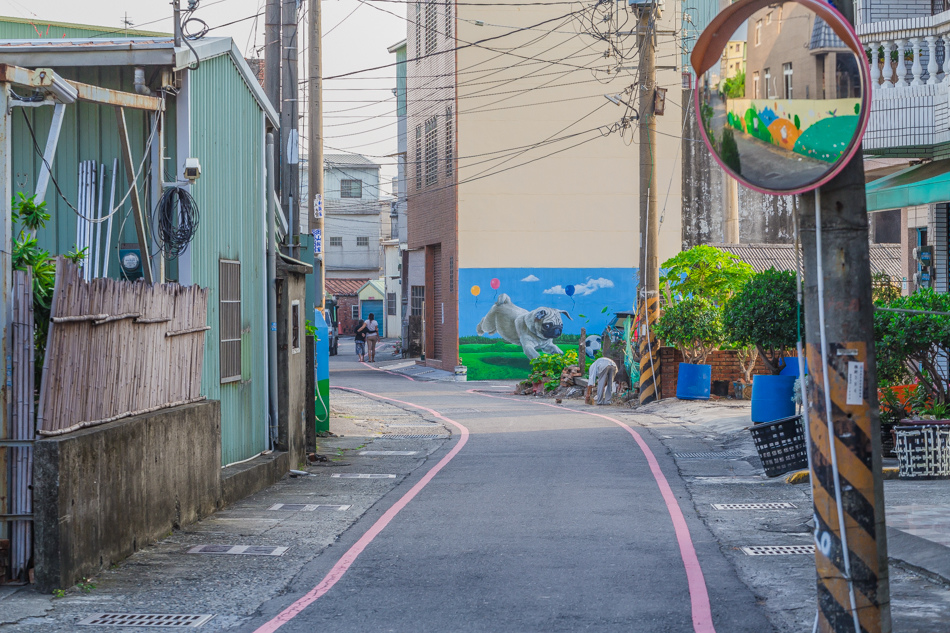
(577, 206)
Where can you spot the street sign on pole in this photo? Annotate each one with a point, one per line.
(794, 126)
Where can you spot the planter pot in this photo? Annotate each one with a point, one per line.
(772, 398)
(923, 449)
(693, 382)
(791, 366)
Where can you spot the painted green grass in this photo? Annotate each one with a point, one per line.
(496, 359)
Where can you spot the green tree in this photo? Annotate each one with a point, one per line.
(694, 325)
(911, 345)
(734, 87)
(704, 271)
(729, 151)
(765, 313)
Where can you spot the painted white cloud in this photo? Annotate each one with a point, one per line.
(530, 278)
(582, 290)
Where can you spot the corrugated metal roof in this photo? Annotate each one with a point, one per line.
(375, 285)
(344, 287)
(885, 258)
(28, 27)
(348, 160)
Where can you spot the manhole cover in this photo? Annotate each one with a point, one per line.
(777, 550)
(361, 476)
(412, 437)
(384, 453)
(708, 455)
(305, 507)
(754, 506)
(247, 550)
(166, 620)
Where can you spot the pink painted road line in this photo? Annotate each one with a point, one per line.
(386, 371)
(698, 595)
(351, 554)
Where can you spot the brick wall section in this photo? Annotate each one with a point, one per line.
(344, 313)
(432, 212)
(725, 366)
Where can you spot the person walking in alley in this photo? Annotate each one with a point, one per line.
(372, 336)
(360, 336)
(601, 375)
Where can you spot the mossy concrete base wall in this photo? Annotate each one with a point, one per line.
(102, 493)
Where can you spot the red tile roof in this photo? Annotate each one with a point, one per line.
(344, 287)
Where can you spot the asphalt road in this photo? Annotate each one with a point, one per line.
(543, 520)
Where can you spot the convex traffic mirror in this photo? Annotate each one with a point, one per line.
(782, 93)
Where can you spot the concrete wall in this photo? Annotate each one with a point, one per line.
(102, 493)
(292, 397)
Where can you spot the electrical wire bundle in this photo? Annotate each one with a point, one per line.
(176, 221)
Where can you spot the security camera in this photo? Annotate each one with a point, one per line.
(192, 169)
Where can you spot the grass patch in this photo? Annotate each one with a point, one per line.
(495, 365)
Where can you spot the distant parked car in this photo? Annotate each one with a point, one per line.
(330, 316)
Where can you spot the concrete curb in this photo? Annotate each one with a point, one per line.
(925, 557)
(802, 477)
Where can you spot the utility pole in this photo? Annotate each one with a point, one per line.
(649, 286)
(176, 4)
(315, 211)
(845, 430)
(272, 53)
(289, 167)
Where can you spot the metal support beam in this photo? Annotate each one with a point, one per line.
(126, 150)
(42, 181)
(106, 96)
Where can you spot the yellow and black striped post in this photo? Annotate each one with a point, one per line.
(649, 352)
(846, 471)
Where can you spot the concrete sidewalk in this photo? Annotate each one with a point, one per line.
(300, 516)
(715, 455)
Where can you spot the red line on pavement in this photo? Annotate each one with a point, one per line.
(698, 595)
(342, 565)
(386, 371)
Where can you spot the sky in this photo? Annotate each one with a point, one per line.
(356, 35)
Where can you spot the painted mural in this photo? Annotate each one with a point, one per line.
(508, 316)
(817, 128)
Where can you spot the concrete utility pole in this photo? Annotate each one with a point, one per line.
(847, 486)
(315, 207)
(649, 220)
(272, 53)
(176, 4)
(289, 167)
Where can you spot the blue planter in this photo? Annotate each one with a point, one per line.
(772, 398)
(693, 382)
(791, 366)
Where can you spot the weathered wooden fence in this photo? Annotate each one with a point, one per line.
(117, 349)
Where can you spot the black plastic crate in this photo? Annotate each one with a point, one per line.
(781, 445)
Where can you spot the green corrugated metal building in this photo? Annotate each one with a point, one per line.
(215, 111)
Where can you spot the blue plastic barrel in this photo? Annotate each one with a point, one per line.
(791, 366)
(693, 382)
(772, 398)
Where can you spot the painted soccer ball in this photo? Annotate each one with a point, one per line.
(592, 345)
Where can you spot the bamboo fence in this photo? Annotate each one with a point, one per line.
(117, 349)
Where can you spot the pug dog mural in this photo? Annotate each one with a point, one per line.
(533, 330)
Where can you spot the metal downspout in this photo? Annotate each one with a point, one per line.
(271, 293)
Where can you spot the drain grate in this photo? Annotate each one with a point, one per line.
(166, 620)
(247, 550)
(412, 437)
(708, 455)
(361, 476)
(306, 507)
(378, 453)
(754, 506)
(777, 550)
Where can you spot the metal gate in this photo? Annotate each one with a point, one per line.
(376, 308)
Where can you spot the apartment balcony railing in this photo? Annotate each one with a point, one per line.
(910, 75)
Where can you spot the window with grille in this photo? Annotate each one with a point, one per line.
(336, 240)
(355, 311)
(417, 298)
(418, 20)
(295, 327)
(448, 20)
(451, 273)
(362, 241)
(351, 188)
(418, 157)
(787, 74)
(449, 149)
(432, 151)
(229, 315)
(391, 303)
(432, 25)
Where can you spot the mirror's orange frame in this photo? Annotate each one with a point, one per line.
(713, 41)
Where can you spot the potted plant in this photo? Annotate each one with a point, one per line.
(694, 326)
(765, 313)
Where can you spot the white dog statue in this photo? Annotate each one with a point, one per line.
(532, 330)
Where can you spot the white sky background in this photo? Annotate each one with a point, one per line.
(351, 42)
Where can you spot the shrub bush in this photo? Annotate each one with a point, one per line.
(765, 313)
(693, 325)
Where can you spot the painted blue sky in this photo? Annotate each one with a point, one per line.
(530, 288)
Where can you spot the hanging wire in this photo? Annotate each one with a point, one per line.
(177, 219)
